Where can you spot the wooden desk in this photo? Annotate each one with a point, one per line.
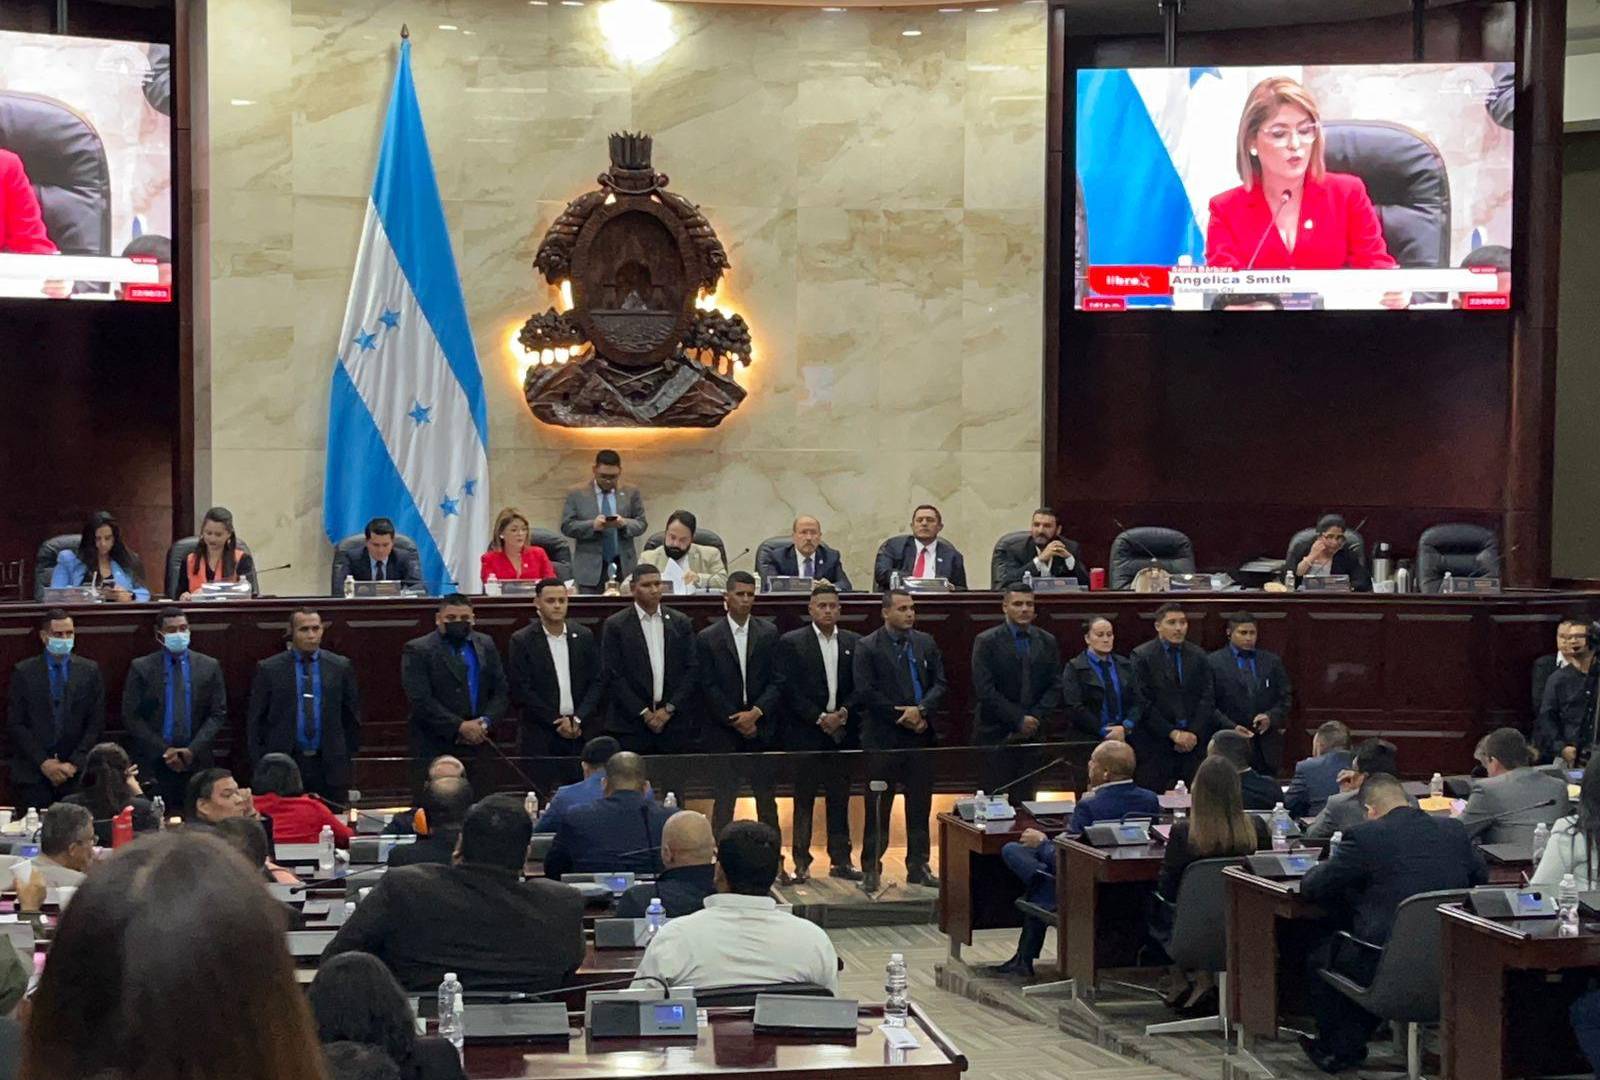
(1502, 1015)
(976, 890)
(1102, 896)
(1261, 948)
(729, 1048)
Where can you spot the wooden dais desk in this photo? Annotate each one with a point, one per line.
(1258, 946)
(1101, 894)
(976, 890)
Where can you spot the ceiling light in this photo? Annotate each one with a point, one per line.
(833, 10)
(447, 26)
(986, 10)
(911, 33)
(636, 31)
(949, 11)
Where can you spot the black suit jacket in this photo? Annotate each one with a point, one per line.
(1238, 703)
(400, 566)
(31, 725)
(434, 678)
(784, 561)
(803, 690)
(900, 553)
(1259, 792)
(1566, 716)
(619, 833)
(883, 684)
(274, 716)
(1380, 863)
(1084, 697)
(625, 659)
(1543, 668)
(681, 890)
(718, 677)
(144, 703)
(437, 847)
(534, 689)
(1012, 560)
(494, 931)
(1165, 705)
(1001, 695)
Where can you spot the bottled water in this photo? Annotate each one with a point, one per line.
(980, 809)
(1280, 828)
(531, 805)
(30, 823)
(1180, 788)
(655, 917)
(1436, 786)
(1541, 837)
(158, 806)
(1334, 841)
(325, 849)
(492, 586)
(1288, 579)
(894, 579)
(1567, 904)
(1449, 583)
(671, 801)
(452, 1012)
(1027, 578)
(349, 587)
(349, 909)
(895, 1002)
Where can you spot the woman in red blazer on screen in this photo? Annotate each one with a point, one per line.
(21, 222)
(510, 556)
(1291, 212)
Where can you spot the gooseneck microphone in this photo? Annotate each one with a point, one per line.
(1283, 200)
(1128, 534)
(1028, 775)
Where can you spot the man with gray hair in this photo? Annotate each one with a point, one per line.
(66, 847)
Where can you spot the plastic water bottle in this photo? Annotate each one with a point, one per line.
(895, 1003)
(325, 849)
(349, 587)
(1435, 786)
(671, 801)
(349, 908)
(894, 579)
(980, 809)
(452, 1012)
(1280, 828)
(1449, 583)
(531, 805)
(655, 917)
(1288, 579)
(30, 822)
(158, 807)
(492, 586)
(1027, 578)
(1567, 904)
(1334, 841)
(1541, 837)
(1180, 788)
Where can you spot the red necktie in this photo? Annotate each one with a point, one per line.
(922, 563)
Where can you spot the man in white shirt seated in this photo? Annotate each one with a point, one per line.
(66, 847)
(741, 938)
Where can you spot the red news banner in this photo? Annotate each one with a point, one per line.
(1110, 286)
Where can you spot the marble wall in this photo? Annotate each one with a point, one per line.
(880, 194)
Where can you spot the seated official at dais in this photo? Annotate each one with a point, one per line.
(103, 561)
(510, 556)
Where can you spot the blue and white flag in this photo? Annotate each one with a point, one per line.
(408, 425)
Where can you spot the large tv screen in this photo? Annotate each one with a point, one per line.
(85, 168)
(1381, 187)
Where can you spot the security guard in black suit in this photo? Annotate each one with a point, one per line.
(1178, 708)
(1253, 693)
(1016, 689)
(304, 702)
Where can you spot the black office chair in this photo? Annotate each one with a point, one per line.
(765, 549)
(995, 557)
(1135, 549)
(350, 548)
(179, 553)
(1406, 178)
(1405, 986)
(743, 997)
(555, 545)
(66, 163)
(1465, 551)
(702, 535)
(1200, 939)
(44, 562)
(1302, 541)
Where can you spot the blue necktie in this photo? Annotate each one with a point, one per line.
(1176, 655)
(58, 699)
(1111, 703)
(310, 704)
(608, 537)
(176, 728)
(1247, 664)
(916, 676)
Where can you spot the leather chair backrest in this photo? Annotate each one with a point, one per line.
(180, 551)
(1132, 549)
(702, 535)
(999, 553)
(44, 562)
(1406, 985)
(1302, 541)
(1464, 550)
(765, 549)
(735, 997)
(555, 545)
(1200, 922)
(66, 164)
(1406, 179)
(350, 548)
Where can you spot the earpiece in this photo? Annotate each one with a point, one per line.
(419, 822)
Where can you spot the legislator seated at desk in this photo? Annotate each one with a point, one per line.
(110, 785)
(218, 558)
(1099, 688)
(592, 788)
(920, 554)
(1253, 694)
(174, 705)
(1564, 712)
(1329, 554)
(805, 555)
(1016, 690)
(445, 765)
(650, 661)
(687, 566)
(1345, 810)
(621, 832)
(1316, 779)
(1042, 552)
(379, 559)
(510, 556)
(1113, 794)
(457, 690)
(1178, 702)
(477, 918)
(445, 805)
(1398, 852)
(66, 848)
(213, 795)
(354, 999)
(1259, 792)
(1574, 845)
(1506, 806)
(101, 559)
(554, 669)
(304, 702)
(688, 873)
(603, 519)
(741, 938)
(297, 818)
(56, 712)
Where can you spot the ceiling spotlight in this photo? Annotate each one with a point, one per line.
(911, 33)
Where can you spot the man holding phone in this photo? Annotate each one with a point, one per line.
(603, 518)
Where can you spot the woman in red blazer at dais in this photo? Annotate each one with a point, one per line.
(22, 229)
(510, 555)
(1291, 212)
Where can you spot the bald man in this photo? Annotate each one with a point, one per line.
(1112, 794)
(688, 859)
(443, 767)
(621, 832)
(805, 555)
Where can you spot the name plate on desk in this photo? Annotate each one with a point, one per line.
(803, 1014)
(1482, 586)
(1056, 585)
(998, 809)
(621, 933)
(519, 587)
(1117, 833)
(926, 584)
(223, 590)
(372, 590)
(786, 584)
(75, 594)
(1326, 583)
(1281, 864)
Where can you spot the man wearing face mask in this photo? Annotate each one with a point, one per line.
(174, 706)
(457, 689)
(57, 710)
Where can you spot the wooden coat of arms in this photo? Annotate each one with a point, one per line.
(641, 352)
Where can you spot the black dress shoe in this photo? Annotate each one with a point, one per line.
(871, 880)
(1015, 967)
(802, 874)
(921, 875)
(784, 877)
(845, 872)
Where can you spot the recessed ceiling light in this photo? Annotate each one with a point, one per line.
(911, 33)
(571, 3)
(949, 11)
(833, 10)
(986, 10)
(447, 26)
(241, 101)
(538, 3)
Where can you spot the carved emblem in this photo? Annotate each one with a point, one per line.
(637, 348)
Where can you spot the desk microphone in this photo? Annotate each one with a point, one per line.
(1127, 534)
(737, 557)
(666, 987)
(377, 868)
(526, 779)
(1283, 200)
(345, 808)
(273, 569)
(1028, 775)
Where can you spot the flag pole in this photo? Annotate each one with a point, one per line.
(405, 32)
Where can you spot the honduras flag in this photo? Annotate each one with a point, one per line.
(408, 426)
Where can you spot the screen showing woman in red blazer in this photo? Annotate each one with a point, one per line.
(22, 229)
(1291, 213)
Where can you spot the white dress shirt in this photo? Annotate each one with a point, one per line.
(741, 649)
(563, 665)
(1041, 565)
(828, 644)
(654, 628)
(740, 941)
(930, 567)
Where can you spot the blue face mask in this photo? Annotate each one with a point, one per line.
(176, 642)
(59, 646)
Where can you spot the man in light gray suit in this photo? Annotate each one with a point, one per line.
(1346, 810)
(1507, 805)
(603, 519)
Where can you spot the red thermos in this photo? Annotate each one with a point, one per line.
(122, 827)
(1097, 578)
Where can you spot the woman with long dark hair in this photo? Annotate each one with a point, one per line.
(217, 557)
(103, 560)
(170, 962)
(354, 998)
(110, 785)
(1574, 846)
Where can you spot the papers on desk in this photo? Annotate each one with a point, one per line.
(1435, 804)
(899, 1038)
